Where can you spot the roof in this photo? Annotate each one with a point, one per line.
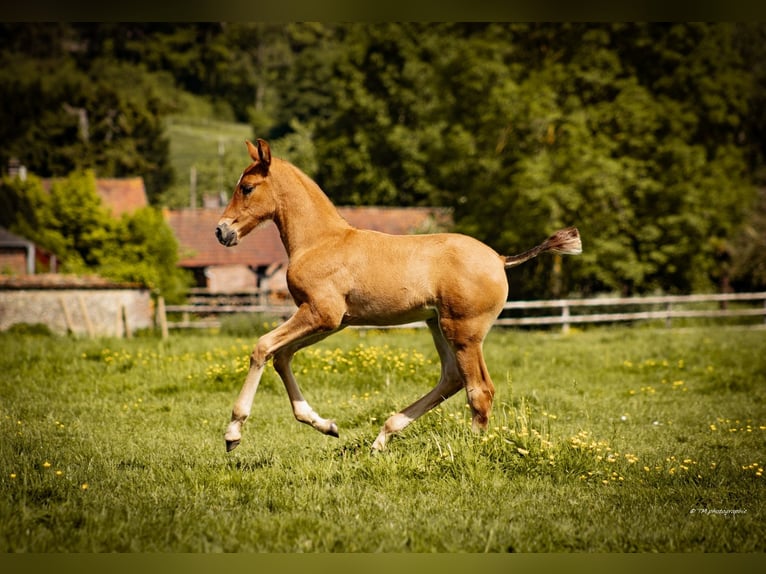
(119, 195)
(62, 281)
(8, 239)
(198, 247)
(124, 195)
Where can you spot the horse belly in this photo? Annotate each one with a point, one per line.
(381, 303)
(390, 293)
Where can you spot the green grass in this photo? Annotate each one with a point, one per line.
(607, 440)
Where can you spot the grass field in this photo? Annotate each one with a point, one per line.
(610, 440)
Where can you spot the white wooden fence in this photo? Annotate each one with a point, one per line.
(564, 312)
(666, 307)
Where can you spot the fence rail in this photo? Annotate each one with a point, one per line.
(566, 318)
(587, 310)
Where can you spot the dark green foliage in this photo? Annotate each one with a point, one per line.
(64, 111)
(636, 133)
(34, 329)
(648, 136)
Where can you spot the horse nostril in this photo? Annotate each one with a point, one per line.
(226, 235)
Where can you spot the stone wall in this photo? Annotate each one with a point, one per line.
(92, 312)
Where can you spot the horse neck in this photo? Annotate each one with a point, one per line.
(305, 215)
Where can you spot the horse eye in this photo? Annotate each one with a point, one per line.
(247, 189)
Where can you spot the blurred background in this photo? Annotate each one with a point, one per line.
(651, 138)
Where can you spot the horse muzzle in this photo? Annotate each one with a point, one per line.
(226, 235)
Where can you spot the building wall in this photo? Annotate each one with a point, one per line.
(13, 261)
(231, 279)
(96, 311)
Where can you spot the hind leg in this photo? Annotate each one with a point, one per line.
(479, 389)
(467, 337)
(450, 382)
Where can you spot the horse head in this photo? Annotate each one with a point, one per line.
(253, 200)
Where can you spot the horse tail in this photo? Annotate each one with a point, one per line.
(565, 241)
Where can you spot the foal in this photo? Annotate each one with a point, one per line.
(340, 276)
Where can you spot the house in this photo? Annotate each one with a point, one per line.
(17, 255)
(259, 263)
(66, 303)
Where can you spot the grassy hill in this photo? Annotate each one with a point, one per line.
(215, 148)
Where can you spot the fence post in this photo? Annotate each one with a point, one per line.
(565, 318)
(668, 318)
(162, 316)
(125, 322)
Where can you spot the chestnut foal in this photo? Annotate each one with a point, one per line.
(340, 276)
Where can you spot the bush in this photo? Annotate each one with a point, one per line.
(37, 329)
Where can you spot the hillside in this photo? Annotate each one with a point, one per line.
(214, 148)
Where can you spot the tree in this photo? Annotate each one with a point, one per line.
(143, 249)
(66, 115)
(71, 222)
(648, 168)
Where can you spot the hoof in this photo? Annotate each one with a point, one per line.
(333, 430)
(231, 445)
(379, 445)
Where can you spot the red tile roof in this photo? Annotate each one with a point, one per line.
(198, 247)
(119, 195)
(124, 195)
(195, 231)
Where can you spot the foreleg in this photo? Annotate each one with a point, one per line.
(301, 408)
(305, 323)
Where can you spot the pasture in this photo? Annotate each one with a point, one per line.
(610, 440)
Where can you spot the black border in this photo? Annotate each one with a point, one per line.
(375, 10)
(358, 10)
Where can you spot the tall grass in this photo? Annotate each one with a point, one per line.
(602, 440)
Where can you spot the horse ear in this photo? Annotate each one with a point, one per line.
(264, 152)
(260, 153)
(252, 150)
